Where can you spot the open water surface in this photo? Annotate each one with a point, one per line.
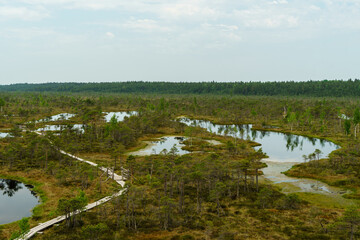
(16, 200)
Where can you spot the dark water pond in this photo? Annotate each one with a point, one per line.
(284, 150)
(16, 201)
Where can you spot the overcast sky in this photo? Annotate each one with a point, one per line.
(189, 40)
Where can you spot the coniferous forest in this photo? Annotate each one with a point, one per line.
(325, 88)
(213, 182)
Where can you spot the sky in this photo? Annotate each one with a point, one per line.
(188, 40)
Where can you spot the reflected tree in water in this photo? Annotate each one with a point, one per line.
(9, 187)
(312, 140)
(254, 134)
(264, 134)
(292, 141)
(220, 130)
(322, 142)
(245, 131)
(241, 131)
(301, 144)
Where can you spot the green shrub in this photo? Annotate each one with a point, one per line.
(187, 237)
(291, 201)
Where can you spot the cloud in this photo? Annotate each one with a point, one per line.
(110, 35)
(279, 2)
(223, 32)
(174, 10)
(267, 18)
(36, 37)
(251, 14)
(94, 4)
(23, 13)
(27, 33)
(145, 25)
(193, 9)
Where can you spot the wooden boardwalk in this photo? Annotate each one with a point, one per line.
(117, 178)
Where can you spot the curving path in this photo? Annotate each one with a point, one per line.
(117, 178)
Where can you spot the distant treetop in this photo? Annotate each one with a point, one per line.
(324, 88)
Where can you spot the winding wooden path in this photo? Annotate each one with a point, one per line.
(117, 178)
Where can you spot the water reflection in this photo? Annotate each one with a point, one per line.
(9, 187)
(79, 127)
(281, 147)
(3, 135)
(16, 201)
(163, 145)
(58, 117)
(120, 116)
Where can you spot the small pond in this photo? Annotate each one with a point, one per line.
(58, 117)
(156, 147)
(3, 135)
(284, 151)
(61, 127)
(120, 116)
(16, 201)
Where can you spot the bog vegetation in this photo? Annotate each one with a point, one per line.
(214, 192)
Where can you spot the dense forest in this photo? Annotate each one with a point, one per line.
(325, 88)
(212, 192)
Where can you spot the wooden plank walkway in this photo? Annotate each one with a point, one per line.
(117, 178)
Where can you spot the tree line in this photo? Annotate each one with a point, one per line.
(324, 88)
